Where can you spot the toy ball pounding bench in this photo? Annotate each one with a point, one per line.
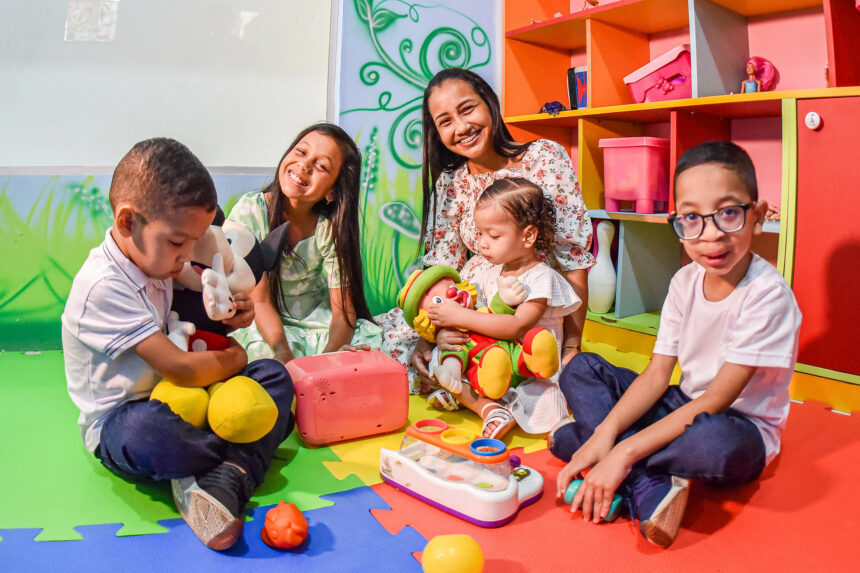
(346, 395)
(473, 478)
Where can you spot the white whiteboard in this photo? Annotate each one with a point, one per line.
(234, 86)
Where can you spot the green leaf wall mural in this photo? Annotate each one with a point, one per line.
(48, 224)
(390, 50)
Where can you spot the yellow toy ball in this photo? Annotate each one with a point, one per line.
(241, 411)
(452, 554)
(190, 404)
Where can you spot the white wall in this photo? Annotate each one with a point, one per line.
(175, 68)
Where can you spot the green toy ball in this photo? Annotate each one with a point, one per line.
(453, 554)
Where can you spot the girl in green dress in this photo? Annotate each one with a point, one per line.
(314, 301)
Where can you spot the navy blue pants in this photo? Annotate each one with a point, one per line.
(720, 449)
(144, 440)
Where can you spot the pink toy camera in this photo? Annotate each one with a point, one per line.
(346, 395)
(665, 77)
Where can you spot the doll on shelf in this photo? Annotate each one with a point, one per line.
(760, 75)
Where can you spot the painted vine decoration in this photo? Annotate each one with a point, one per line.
(443, 47)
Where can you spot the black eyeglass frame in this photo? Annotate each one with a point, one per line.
(713, 217)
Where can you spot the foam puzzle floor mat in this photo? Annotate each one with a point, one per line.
(53, 484)
(341, 537)
(800, 515)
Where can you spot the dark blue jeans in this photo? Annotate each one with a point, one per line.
(724, 449)
(144, 440)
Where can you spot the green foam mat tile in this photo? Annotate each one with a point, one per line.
(52, 483)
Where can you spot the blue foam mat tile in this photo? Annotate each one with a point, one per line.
(342, 537)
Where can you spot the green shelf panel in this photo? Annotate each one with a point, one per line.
(645, 323)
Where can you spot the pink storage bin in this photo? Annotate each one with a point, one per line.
(663, 78)
(636, 169)
(346, 395)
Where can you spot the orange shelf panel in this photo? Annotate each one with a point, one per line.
(612, 48)
(520, 14)
(533, 76)
(645, 16)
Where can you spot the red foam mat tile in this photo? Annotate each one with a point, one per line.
(800, 515)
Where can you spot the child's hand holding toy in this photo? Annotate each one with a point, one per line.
(603, 469)
(244, 311)
(436, 297)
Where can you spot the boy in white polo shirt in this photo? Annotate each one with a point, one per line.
(116, 349)
(731, 321)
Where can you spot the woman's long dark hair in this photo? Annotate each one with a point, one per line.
(437, 157)
(343, 214)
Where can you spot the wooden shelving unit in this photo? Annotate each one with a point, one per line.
(815, 45)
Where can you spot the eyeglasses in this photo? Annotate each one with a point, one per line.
(728, 219)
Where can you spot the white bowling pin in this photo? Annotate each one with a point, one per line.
(601, 277)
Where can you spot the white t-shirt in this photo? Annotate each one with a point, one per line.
(112, 307)
(540, 281)
(756, 325)
(536, 404)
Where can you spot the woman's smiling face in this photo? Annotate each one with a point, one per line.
(462, 119)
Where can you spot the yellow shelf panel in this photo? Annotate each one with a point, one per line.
(763, 104)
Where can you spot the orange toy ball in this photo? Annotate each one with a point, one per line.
(286, 527)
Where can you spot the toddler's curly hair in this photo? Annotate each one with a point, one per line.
(525, 202)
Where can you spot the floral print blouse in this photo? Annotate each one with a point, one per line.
(545, 163)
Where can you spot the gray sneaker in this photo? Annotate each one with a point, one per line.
(213, 504)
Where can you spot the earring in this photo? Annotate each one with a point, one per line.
(758, 227)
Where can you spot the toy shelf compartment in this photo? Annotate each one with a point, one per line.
(814, 45)
(618, 38)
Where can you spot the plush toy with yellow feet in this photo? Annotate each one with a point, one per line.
(238, 410)
(491, 366)
(227, 259)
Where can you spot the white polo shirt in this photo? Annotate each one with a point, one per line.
(756, 325)
(111, 308)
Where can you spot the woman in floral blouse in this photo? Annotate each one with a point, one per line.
(466, 147)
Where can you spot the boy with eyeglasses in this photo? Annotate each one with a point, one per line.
(731, 321)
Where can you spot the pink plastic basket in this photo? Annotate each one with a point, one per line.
(636, 169)
(346, 395)
(663, 78)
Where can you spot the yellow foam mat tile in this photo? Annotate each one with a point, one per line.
(361, 457)
(632, 360)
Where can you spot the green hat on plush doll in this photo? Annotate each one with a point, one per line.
(418, 283)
